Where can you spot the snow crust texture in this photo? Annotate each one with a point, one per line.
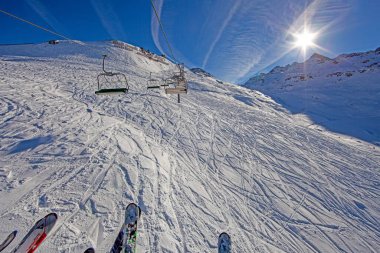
(226, 159)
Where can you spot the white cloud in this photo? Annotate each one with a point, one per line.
(230, 15)
(109, 19)
(155, 26)
(43, 12)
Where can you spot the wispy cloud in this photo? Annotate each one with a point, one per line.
(109, 19)
(230, 15)
(157, 35)
(238, 38)
(254, 29)
(155, 26)
(45, 14)
(258, 37)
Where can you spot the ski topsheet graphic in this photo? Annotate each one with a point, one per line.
(8, 240)
(37, 234)
(126, 239)
(224, 243)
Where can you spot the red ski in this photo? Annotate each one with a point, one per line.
(37, 234)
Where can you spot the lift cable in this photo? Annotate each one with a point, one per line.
(66, 38)
(38, 26)
(163, 31)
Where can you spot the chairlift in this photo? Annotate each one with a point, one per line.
(111, 82)
(154, 83)
(178, 81)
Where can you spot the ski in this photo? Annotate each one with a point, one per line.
(224, 243)
(8, 240)
(90, 250)
(126, 239)
(37, 234)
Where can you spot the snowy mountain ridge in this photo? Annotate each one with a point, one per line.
(340, 94)
(226, 158)
(201, 72)
(317, 66)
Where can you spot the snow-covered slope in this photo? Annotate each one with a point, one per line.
(340, 94)
(225, 159)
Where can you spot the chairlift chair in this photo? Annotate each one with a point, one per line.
(153, 83)
(179, 81)
(104, 79)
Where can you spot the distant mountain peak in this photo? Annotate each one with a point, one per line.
(319, 67)
(319, 58)
(201, 72)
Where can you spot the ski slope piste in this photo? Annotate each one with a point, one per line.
(225, 159)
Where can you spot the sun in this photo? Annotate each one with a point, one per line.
(305, 39)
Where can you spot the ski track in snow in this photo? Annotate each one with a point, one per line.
(213, 163)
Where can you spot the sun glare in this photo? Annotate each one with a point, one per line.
(305, 39)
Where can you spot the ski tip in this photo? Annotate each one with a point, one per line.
(14, 233)
(130, 205)
(224, 243)
(90, 250)
(224, 234)
(52, 215)
(50, 221)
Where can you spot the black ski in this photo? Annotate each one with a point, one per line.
(224, 243)
(90, 250)
(126, 239)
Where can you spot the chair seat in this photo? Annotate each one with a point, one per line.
(175, 90)
(154, 87)
(111, 91)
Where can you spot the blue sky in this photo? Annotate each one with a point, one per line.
(232, 39)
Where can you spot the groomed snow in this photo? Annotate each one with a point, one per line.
(225, 159)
